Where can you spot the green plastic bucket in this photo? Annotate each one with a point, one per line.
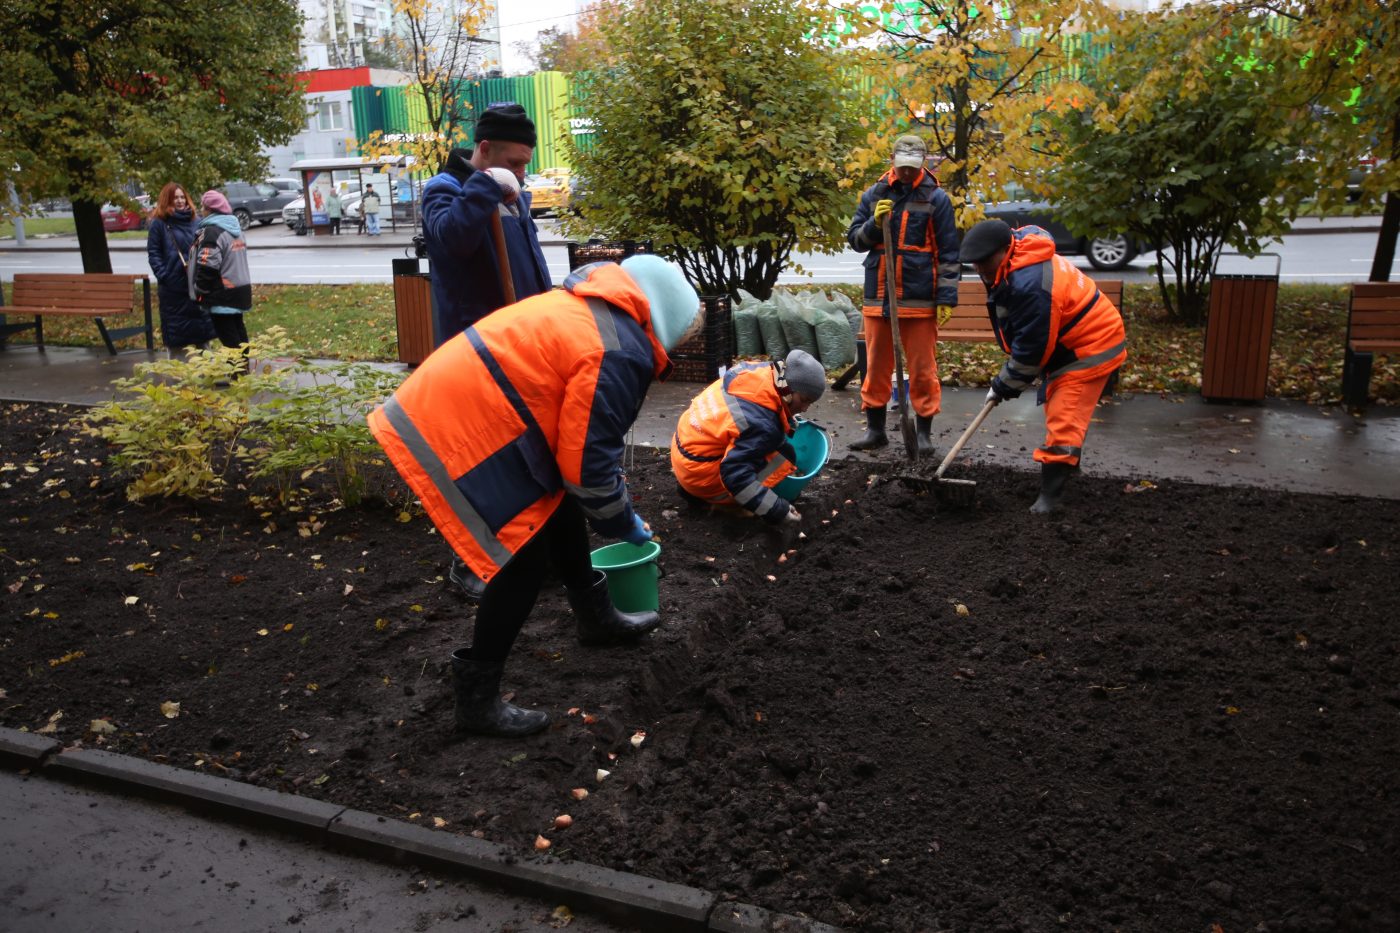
(632, 573)
(813, 448)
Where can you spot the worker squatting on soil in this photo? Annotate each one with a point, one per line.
(1058, 328)
(927, 271)
(731, 445)
(512, 433)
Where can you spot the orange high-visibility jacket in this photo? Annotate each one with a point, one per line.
(1050, 317)
(731, 444)
(926, 268)
(531, 402)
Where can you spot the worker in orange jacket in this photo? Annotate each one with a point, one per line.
(1059, 330)
(923, 295)
(512, 433)
(731, 445)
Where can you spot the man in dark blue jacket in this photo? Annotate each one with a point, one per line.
(458, 205)
(460, 209)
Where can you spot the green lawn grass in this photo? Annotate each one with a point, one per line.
(33, 226)
(48, 226)
(356, 322)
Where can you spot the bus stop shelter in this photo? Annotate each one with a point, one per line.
(318, 180)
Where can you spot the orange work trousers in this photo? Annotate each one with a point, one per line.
(1069, 406)
(919, 338)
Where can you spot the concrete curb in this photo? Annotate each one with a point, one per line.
(646, 903)
(628, 898)
(21, 750)
(258, 806)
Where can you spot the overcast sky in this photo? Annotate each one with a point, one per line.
(523, 22)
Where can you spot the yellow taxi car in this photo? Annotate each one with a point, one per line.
(549, 191)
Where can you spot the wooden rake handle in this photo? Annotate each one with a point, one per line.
(976, 423)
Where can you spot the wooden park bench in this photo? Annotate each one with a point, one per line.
(95, 295)
(969, 323)
(1373, 326)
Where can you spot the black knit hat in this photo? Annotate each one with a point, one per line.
(983, 240)
(506, 123)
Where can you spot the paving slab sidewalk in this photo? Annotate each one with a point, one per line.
(1276, 444)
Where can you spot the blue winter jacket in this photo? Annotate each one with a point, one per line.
(182, 321)
(457, 210)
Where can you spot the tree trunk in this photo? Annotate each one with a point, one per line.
(1385, 244)
(92, 239)
(1390, 220)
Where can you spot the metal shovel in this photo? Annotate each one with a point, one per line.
(906, 420)
(956, 492)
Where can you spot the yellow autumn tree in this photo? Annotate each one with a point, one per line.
(440, 43)
(1340, 60)
(973, 79)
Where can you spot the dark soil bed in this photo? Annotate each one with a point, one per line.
(1170, 708)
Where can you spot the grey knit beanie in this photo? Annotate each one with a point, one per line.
(805, 375)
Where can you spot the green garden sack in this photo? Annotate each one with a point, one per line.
(774, 343)
(796, 319)
(748, 338)
(835, 339)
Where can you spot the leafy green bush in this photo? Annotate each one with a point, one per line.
(179, 424)
(317, 425)
(182, 425)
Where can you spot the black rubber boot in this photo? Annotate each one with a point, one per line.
(480, 709)
(600, 622)
(922, 426)
(1052, 487)
(467, 582)
(874, 431)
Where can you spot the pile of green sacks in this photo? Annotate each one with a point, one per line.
(823, 325)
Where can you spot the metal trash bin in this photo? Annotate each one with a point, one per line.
(413, 311)
(1239, 334)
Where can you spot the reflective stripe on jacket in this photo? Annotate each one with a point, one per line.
(731, 444)
(532, 402)
(927, 269)
(1051, 317)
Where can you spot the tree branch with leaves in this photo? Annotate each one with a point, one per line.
(721, 130)
(440, 44)
(96, 97)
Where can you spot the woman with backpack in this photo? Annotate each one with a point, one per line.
(183, 323)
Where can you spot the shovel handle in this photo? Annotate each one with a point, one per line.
(893, 305)
(976, 423)
(498, 235)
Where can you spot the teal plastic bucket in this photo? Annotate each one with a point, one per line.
(813, 448)
(632, 573)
